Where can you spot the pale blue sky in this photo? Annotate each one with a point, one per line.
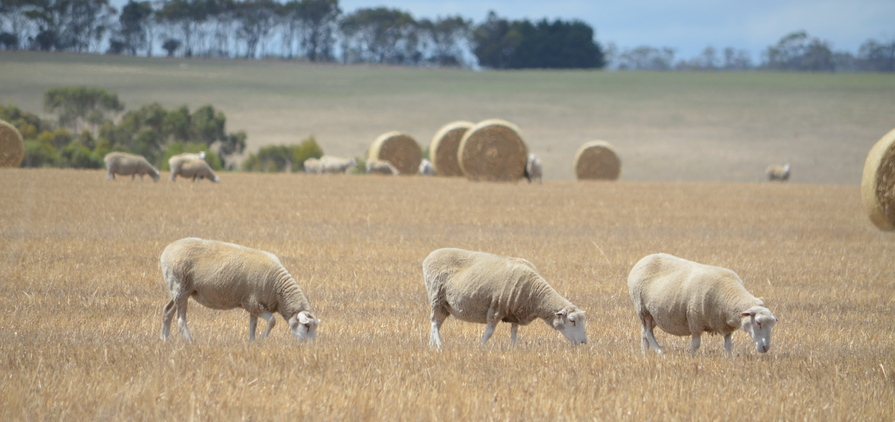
(688, 26)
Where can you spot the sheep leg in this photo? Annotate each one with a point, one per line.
(180, 304)
(489, 330)
(438, 317)
(647, 337)
(694, 344)
(167, 316)
(271, 321)
(514, 328)
(728, 344)
(253, 322)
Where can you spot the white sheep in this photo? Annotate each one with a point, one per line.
(533, 169)
(191, 166)
(129, 165)
(312, 166)
(335, 165)
(426, 168)
(776, 172)
(381, 167)
(224, 276)
(485, 288)
(687, 298)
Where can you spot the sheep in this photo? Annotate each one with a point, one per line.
(332, 165)
(683, 297)
(129, 164)
(776, 172)
(426, 168)
(381, 167)
(533, 169)
(312, 166)
(191, 166)
(485, 288)
(224, 276)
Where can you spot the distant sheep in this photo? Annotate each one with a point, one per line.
(687, 298)
(533, 169)
(129, 165)
(191, 166)
(426, 168)
(336, 165)
(224, 276)
(313, 166)
(776, 172)
(381, 167)
(485, 288)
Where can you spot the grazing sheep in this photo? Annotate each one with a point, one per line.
(486, 288)
(381, 167)
(687, 298)
(334, 165)
(313, 166)
(225, 276)
(191, 167)
(426, 168)
(533, 169)
(776, 172)
(129, 165)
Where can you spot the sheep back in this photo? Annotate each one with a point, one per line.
(685, 297)
(223, 275)
(128, 164)
(193, 169)
(473, 283)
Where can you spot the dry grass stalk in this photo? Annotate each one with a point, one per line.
(444, 146)
(12, 146)
(398, 148)
(878, 182)
(597, 160)
(493, 150)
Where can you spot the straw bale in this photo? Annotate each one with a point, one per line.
(597, 160)
(12, 146)
(399, 149)
(444, 146)
(878, 183)
(493, 150)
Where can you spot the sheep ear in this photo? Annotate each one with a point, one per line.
(562, 313)
(303, 318)
(747, 313)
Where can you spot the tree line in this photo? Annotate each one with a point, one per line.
(319, 31)
(312, 30)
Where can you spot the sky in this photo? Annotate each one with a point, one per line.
(687, 26)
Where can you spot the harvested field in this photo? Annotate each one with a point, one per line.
(81, 294)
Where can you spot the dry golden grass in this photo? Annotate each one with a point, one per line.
(81, 297)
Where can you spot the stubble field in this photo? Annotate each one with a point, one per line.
(81, 297)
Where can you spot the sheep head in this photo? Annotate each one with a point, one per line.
(570, 322)
(304, 325)
(758, 322)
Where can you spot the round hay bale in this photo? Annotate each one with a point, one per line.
(597, 160)
(399, 149)
(444, 146)
(878, 183)
(493, 150)
(12, 146)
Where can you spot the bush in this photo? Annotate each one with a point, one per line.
(76, 155)
(40, 154)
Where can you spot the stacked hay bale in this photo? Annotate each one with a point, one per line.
(597, 160)
(493, 150)
(878, 183)
(399, 149)
(12, 146)
(444, 146)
